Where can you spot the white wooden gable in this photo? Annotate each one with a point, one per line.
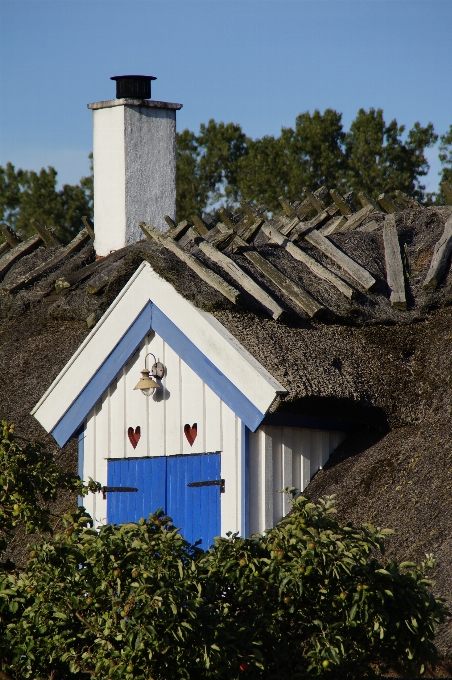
(149, 303)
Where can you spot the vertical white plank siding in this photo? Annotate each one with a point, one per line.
(101, 439)
(256, 491)
(213, 430)
(231, 458)
(317, 443)
(305, 458)
(156, 411)
(172, 403)
(136, 405)
(262, 489)
(277, 447)
(116, 395)
(281, 457)
(266, 481)
(297, 459)
(288, 467)
(325, 447)
(192, 408)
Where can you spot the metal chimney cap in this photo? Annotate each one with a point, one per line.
(135, 87)
(136, 77)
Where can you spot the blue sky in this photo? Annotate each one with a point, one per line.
(254, 62)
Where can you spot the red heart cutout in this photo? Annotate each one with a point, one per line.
(191, 432)
(134, 437)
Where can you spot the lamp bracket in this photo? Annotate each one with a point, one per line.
(157, 370)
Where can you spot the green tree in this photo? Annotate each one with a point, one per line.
(192, 195)
(264, 172)
(30, 479)
(316, 147)
(221, 147)
(135, 601)
(378, 160)
(25, 194)
(309, 155)
(445, 157)
(221, 165)
(207, 167)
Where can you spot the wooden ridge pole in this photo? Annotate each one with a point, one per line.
(440, 259)
(47, 236)
(9, 258)
(314, 266)
(10, 236)
(63, 254)
(89, 226)
(201, 270)
(293, 291)
(394, 264)
(235, 272)
(355, 270)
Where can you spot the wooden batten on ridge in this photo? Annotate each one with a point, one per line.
(63, 254)
(14, 254)
(394, 265)
(203, 272)
(440, 259)
(235, 272)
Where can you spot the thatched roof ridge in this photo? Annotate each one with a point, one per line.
(349, 355)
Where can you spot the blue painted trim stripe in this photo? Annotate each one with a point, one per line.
(104, 376)
(206, 370)
(152, 318)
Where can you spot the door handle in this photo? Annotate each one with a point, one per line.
(213, 482)
(117, 488)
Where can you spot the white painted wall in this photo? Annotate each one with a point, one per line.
(134, 152)
(280, 457)
(109, 165)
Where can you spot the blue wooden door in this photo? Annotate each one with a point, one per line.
(171, 483)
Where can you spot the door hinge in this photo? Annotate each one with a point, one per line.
(213, 482)
(117, 488)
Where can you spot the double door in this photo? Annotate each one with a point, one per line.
(188, 489)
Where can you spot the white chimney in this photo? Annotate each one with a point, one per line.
(134, 163)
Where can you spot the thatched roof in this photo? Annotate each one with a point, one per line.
(363, 360)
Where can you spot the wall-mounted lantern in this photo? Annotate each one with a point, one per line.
(146, 384)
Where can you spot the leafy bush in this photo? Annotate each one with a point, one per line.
(30, 479)
(137, 602)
